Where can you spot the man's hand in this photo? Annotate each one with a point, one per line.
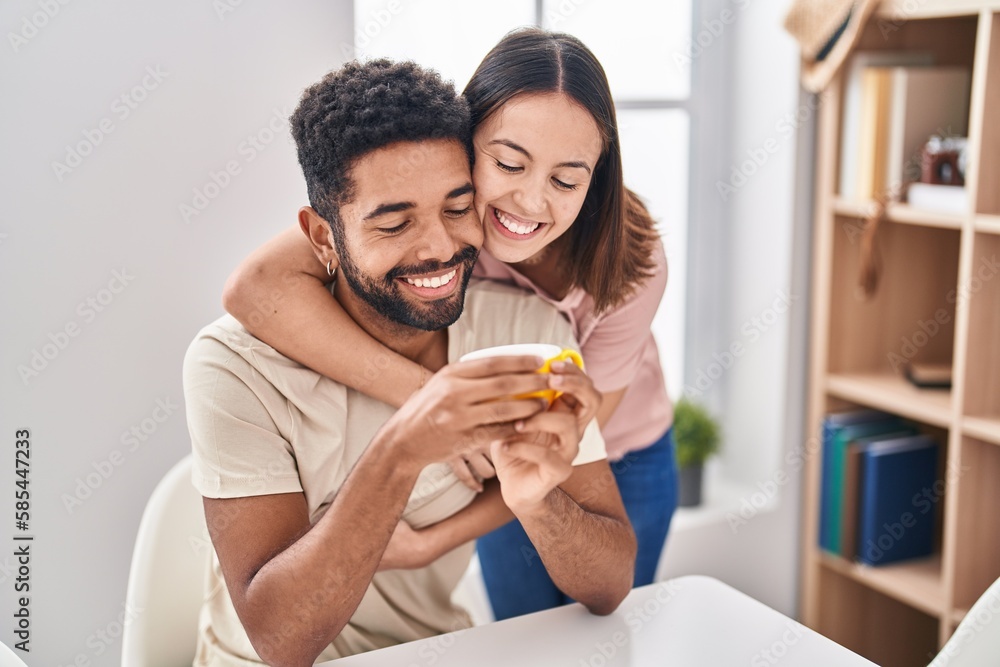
(531, 466)
(579, 397)
(580, 529)
(464, 407)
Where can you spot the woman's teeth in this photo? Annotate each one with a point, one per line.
(436, 281)
(515, 227)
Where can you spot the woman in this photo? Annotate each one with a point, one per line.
(558, 222)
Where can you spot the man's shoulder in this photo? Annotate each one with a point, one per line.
(499, 314)
(219, 341)
(225, 344)
(488, 298)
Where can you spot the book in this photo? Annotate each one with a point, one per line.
(943, 198)
(851, 502)
(929, 376)
(831, 473)
(925, 101)
(896, 516)
(891, 426)
(849, 134)
(831, 423)
(873, 132)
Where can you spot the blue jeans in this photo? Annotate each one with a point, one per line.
(515, 577)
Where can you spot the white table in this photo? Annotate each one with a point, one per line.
(685, 622)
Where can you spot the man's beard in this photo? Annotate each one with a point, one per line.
(385, 296)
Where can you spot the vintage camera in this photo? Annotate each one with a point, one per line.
(942, 161)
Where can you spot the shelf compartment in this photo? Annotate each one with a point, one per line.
(982, 381)
(857, 615)
(916, 583)
(911, 315)
(977, 550)
(948, 34)
(891, 393)
(900, 213)
(989, 224)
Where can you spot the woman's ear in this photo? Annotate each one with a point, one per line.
(320, 236)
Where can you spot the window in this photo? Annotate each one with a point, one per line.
(639, 43)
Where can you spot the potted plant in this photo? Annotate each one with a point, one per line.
(696, 436)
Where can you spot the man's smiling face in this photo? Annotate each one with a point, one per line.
(410, 233)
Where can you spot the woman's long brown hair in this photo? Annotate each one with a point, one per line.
(612, 239)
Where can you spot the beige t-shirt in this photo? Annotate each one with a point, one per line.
(263, 424)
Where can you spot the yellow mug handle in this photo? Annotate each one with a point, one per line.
(571, 355)
(552, 394)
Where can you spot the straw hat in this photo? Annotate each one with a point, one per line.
(826, 31)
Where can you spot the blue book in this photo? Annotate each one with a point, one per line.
(851, 496)
(831, 424)
(896, 515)
(835, 460)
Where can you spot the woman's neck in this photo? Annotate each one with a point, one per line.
(547, 270)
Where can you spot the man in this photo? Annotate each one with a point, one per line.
(305, 481)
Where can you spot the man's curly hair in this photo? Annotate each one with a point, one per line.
(362, 107)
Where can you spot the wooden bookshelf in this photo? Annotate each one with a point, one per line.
(938, 301)
(989, 224)
(899, 213)
(982, 428)
(889, 392)
(926, 9)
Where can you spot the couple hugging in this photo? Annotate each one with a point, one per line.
(344, 513)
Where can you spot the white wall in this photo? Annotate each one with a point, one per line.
(762, 250)
(228, 70)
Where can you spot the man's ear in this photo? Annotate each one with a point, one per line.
(320, 236)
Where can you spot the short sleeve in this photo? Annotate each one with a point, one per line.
(237, 447)
(615, 349)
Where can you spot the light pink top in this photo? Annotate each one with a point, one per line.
(618, 351)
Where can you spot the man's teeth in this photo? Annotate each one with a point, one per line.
(513, 226)
(436, 281)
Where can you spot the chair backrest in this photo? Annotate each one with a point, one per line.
(10, 659)
(166, 581)
(976, 642)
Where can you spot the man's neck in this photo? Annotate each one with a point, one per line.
(427, 348)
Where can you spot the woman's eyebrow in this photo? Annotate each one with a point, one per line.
(574, 164)
(510, 144)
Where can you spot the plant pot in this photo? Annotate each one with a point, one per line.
(689, 486)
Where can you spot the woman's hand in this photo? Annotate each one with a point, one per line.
(408, 549)
(579, 395)
(473, 469)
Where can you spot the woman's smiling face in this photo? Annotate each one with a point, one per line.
(535, 157)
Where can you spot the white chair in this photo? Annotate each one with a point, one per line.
(10, 659)
(165, 584)
(976, 642)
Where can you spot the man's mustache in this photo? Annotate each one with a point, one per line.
(467, 254)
